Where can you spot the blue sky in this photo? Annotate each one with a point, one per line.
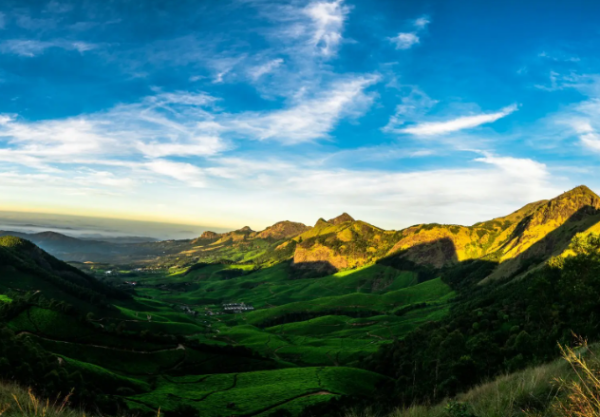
(240, 112)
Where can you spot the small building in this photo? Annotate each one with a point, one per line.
(237, 307)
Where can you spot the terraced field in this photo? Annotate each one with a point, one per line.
(256, 393)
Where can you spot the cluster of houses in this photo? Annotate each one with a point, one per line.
(237, 307)
(214, 313)
(188, 310)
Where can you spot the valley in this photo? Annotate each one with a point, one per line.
(293, 319)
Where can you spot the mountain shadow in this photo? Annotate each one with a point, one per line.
(425, 259)
(311, 269)
(553, 244)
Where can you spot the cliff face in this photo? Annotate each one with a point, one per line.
(525, 237)
(342, 243)
(536, 231)
(208, 236)
(548, 229)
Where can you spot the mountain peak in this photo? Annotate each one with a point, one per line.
(342, 218)
(321, 221)
(283, 230)
(579, 197)
(580, 190)
(209, 235)
(245, 229)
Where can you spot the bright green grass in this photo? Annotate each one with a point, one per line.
(256, 392)
(428, 291)
(4, 299)
(381, 327)
(103, 377)
(272, 286)
(301, 350)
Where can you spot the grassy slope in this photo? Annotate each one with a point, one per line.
(300, 356)
(18, 402)
(530, 392)
(255, 393)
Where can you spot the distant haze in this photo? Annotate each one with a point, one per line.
(95, 227)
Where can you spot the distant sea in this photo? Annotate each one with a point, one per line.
(98, 228)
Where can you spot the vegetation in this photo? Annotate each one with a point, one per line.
(434, 320)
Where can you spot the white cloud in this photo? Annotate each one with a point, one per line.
(460, 123)
(30, 48)
(458, 195)
(517, 167)
(591, 141)
(188, 173)
(405, 40)
(260, 70)
(166, 124)
(309, 119)
(305, 33)
(583, 118)
(422, 22)
(138, 139)
(327, 23)
(413, 106)
(201, 145)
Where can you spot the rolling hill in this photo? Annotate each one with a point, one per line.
(321, 315)
(520, 240)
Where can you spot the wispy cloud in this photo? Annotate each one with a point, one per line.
(269, 66)
(161, 125)
(422, 22)
(309, 119)
(306, 34)
(406, 40)
(582, 118)
(188, 173)
(327, 25)
(460, 123)
(414, 105)
(517, 167)
(146, 137)
(31, 48)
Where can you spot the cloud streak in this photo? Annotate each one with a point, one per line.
(459, 123)
(31, 48)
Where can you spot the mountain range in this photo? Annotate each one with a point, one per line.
(525, 237)
(299, 320)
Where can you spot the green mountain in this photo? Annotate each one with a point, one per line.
(297, 320)
(26, 268)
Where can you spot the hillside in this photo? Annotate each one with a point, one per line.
(516, 242)
(25, 267)
(141, 353)
(118, 250)
(296, 318)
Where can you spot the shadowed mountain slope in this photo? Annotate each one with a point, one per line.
(26, 267)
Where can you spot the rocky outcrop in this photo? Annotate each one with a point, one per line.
(209, 235)
(547, 230)
(283, 230)
(342, 218)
